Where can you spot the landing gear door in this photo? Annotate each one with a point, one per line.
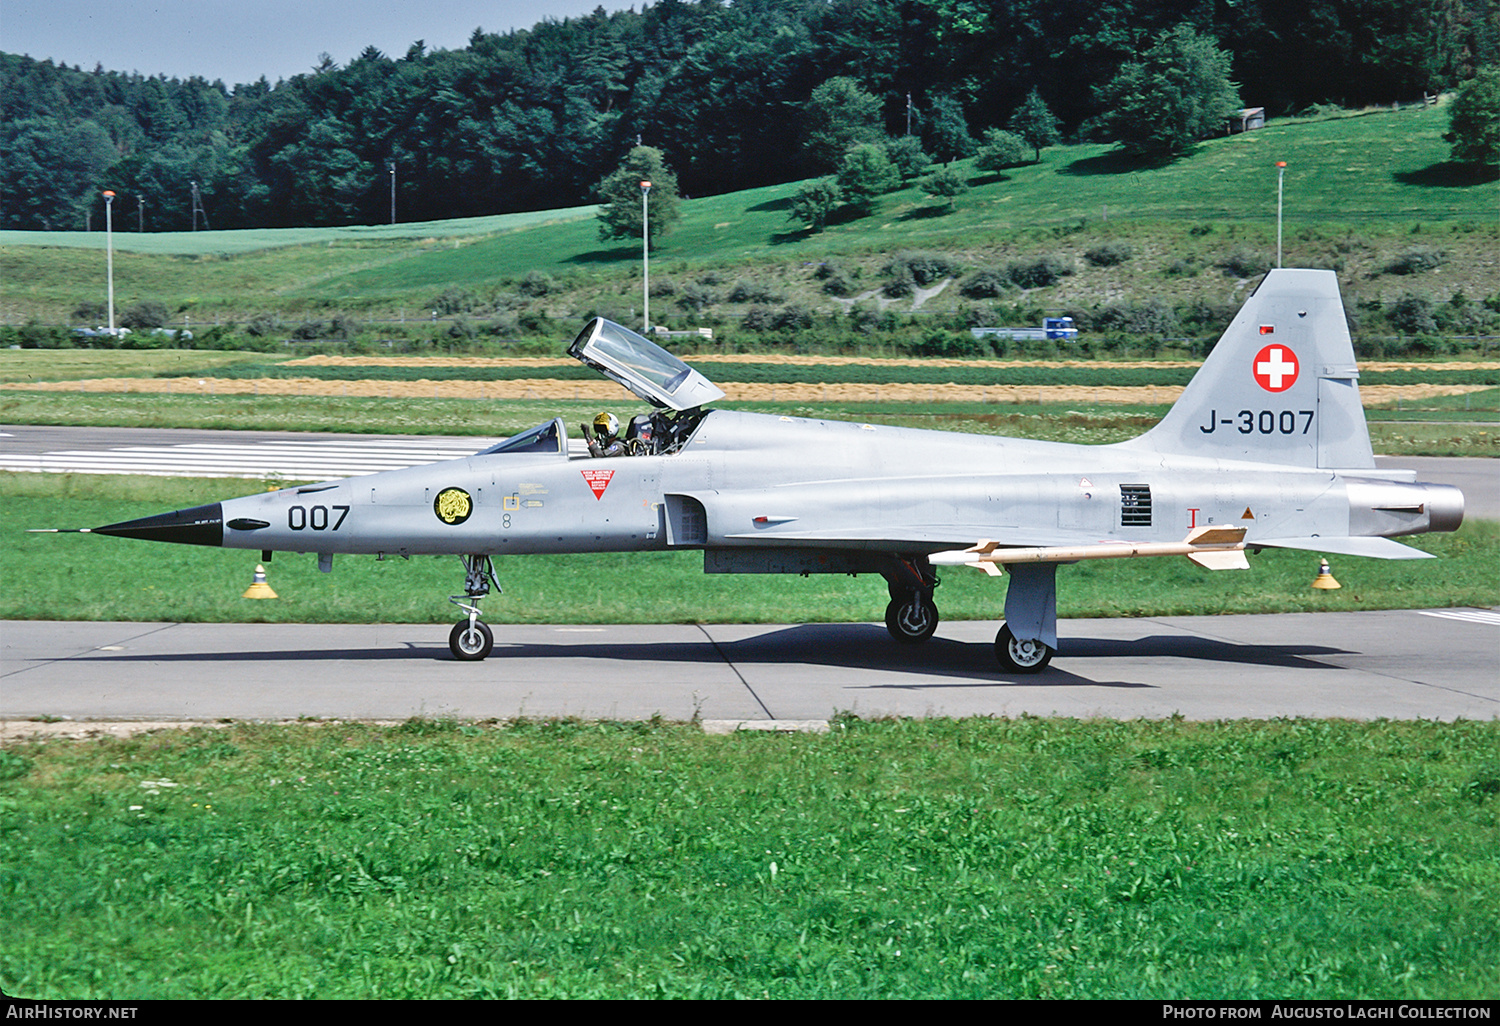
(642, 366)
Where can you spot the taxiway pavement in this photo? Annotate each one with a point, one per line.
(1397, 664)
(1438, 664)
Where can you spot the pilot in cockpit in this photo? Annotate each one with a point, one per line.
(608, 442)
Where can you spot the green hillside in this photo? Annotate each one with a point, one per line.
(1362, 189)
(248, 240)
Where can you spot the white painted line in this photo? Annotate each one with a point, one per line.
(312, 459)
(1468, 616)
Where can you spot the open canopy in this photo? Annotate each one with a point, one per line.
(642, 366)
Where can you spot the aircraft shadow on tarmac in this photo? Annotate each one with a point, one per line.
(849, 646)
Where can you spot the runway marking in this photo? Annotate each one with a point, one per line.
(294, 460)
(1466, 615)
(289, 459)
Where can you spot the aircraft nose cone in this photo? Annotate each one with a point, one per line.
(201, 525)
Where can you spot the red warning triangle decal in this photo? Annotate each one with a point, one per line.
(598, 480)
(1247, 515)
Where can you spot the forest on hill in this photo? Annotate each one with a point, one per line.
(535, 118)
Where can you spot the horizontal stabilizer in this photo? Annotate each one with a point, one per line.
(1375, 548)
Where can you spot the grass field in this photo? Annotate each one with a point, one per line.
(220, 243)
(904, 859)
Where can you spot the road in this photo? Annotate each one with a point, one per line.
(1397, 664)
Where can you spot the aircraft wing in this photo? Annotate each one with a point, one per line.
(905, 537)
(1207, 546)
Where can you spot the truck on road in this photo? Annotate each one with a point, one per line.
(1052, 327)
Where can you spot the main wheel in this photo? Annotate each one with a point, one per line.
(470, 643)
(1021, 655)
(911, 619)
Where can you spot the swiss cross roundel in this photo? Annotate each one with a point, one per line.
(1275, 368)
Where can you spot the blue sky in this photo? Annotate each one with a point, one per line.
(241, 40)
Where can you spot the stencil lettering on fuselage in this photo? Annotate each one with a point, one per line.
(597, 480)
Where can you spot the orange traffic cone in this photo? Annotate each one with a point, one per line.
(1324, 581)
(259, 589)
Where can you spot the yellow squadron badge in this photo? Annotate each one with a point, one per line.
(453, 505)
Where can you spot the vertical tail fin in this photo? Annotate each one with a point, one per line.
(1280, 387)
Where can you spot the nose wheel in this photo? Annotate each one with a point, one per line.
(911, 618)
(470, 640)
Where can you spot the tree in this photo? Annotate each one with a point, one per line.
(146, 314)
(1034, 122)
(1000, 150)
(948, 136)
(52, 172)
(814, 201)
(1178, 93)
(838, 115)
(1474, 120)
(620, 196)
(944, 184)
(865, 174)
(906, 153)
(328, 176)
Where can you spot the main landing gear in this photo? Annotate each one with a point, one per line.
(470, 640)
(1027, 640)
(1021, 655)
(1029, 637)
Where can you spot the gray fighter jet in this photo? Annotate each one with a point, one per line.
(1267, 447)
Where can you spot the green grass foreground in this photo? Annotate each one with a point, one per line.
(1022, 858)
(82, 577)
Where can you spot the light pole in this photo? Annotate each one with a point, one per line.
(645, 259)
(1280, 177)
(109, 254)
(391, 166)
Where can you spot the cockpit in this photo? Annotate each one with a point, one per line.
(676, 390)
(550, 438)
(648, 434)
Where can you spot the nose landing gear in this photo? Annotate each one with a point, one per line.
(470, 640)
(911, 617)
